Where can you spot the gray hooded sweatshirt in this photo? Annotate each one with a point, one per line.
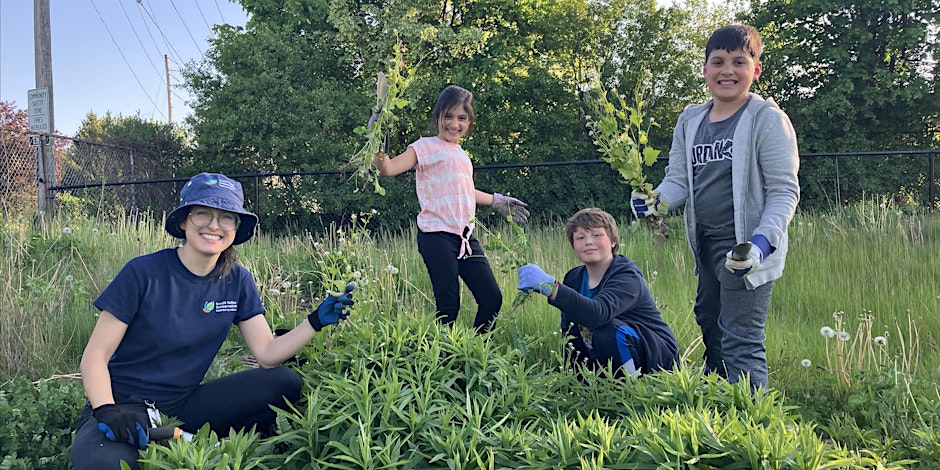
(764, 165)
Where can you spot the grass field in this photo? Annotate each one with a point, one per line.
(868, 272)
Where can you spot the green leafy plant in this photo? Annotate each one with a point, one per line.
(513, 252)
(390, 89)
(621, 133)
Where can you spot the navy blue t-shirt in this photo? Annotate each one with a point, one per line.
(176, 323)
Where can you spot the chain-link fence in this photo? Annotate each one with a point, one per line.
(89, 176)
(17, 172)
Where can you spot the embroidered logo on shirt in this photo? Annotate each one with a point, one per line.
(220, 306)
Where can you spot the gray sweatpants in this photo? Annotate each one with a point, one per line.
(731, 316)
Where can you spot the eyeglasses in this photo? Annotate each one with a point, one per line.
(203, 217)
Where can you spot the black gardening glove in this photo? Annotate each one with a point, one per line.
(120, 426)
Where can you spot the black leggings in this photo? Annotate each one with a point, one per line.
(238, 401)
(439, 250)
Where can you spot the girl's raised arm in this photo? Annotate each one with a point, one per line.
(397, 165)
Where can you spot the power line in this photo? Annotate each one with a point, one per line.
(186, 27)
(162, 34)
(122, 53)
(134, 29)
(220, 11)
(204, 20)
(149, 33)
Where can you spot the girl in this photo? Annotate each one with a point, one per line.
(444, 180)
(163, 319)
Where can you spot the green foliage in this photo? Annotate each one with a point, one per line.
(391, 387)
(853, 76)
(390, 89)
(621, 133)
(37, 422)
(240, 450)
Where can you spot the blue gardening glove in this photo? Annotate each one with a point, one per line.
(531, 277)
(644, 205)
(332, 309)
(746, 257)
(511, 206)
(120, 426)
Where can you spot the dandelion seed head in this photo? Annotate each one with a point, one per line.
(880, 340)
(391, 269)
(69, 278)
(806, 363)
(844, 336)
(94, 230)
(838, 315)
(66, 230)
(286, 284)
(274, 291)
(827, 332)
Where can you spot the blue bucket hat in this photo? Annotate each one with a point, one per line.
(218, 192)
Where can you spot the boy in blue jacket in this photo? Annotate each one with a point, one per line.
(607, 310)
(733, 164)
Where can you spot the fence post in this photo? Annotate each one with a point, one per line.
(130, 157)
(931, 176)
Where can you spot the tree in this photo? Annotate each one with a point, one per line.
(285, 92)
(855, 76)
(119, 148)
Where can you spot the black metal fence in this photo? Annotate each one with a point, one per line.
(95, 178)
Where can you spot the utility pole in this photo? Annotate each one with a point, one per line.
(45, 157)
(169, 94)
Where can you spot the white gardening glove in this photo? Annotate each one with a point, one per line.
(745, 258)
(644, 205)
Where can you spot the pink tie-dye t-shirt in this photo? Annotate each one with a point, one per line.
(444, 181)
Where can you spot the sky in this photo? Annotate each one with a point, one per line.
(108, 55)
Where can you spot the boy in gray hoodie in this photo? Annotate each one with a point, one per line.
(733, 164)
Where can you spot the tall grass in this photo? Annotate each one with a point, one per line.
(865, 259)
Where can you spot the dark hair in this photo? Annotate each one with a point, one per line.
(452, 96)
(733, 37)
(593, 217)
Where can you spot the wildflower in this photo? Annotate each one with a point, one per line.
(837, 315)
(286, 285)
(844, 336)
(357, 274)
(94, 231)
(374, 212)
(342, 240)
(391, 269)
(827, 332)
(69, 278)
(806, 363)
(66, 230)
(274, 291)
(880, 340)
(655, 273)
(353, 217)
